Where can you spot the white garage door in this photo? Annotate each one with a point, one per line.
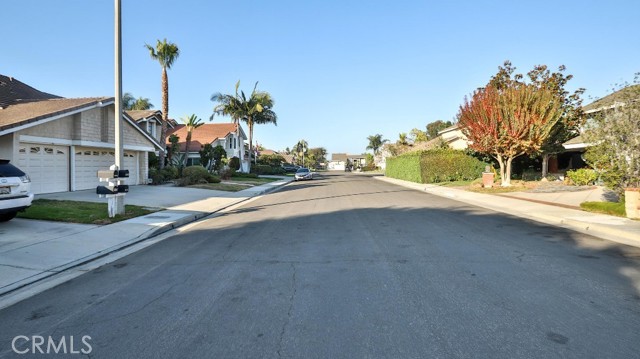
(89, 161)
(47, 165)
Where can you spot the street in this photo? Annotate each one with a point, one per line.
(345, 266)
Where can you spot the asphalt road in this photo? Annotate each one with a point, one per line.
(350, 267)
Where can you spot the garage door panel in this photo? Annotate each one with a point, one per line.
(46, 165)
(88, 161)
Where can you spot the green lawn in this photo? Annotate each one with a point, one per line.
(253, 181)
(229, 187)
(78, 212)
(612, 208)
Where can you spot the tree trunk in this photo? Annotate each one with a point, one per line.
(506, 182)
(545, 165)
(502, 172)
(186, 149)
(165, 117)
(250, 126)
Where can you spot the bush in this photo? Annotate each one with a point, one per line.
(245, 175)
(433, 166)
(170, 173)
(196, 175)
(156, 176)
(405, 167)
(227, 173)
(267, 170)
(274, 160)
(234, 163)
(444, 165)
(582, 176)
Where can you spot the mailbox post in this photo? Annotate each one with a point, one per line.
(115, 189)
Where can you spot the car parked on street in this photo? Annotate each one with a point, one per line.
(303, 174)
(15, 191)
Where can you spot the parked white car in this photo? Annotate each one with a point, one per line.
(303, 174)
(15, 191)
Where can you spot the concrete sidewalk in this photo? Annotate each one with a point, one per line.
(46, 254)
(617, 229)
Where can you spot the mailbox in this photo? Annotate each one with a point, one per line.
(104, 190)
(107, 174)
(113, 174)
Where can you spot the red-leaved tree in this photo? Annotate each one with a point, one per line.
(509, 122)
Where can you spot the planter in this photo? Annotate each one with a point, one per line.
(632, 202)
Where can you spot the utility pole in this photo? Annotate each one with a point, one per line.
(116, 203)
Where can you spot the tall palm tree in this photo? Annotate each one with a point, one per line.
(191, 123)
(257, 109)
(375, 142)
(166, 54)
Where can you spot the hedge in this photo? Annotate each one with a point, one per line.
(405, 167)
(446, 165)
(433, 166)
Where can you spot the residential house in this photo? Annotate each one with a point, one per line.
(576, 147)
(228, 135)
(150, 121)
(61, 143)
(339, 161)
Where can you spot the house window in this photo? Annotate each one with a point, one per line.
(48, 150)
(34, 149)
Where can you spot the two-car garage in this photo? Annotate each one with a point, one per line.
(58, 169)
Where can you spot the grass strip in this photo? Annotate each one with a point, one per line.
(79, 212)
(612, 208)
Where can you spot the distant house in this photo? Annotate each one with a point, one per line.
(339, 161)
(150, 121)
(228, 135)
(61, 143)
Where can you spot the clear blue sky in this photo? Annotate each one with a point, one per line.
(339, 70)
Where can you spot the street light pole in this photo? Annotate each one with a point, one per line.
(116, 203)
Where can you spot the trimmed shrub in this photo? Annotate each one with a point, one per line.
(266, 170)
(196, 175)
(234, 163)
(433, 166)
(444, 165)
(156, 176)
(582, 176)
(245, 175)
(227, 173)
(170, 173)
(405, 167)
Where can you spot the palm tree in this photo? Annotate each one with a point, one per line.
(166, 54)
(402, 139)
(127, 100)
(257, 109)
(191, 123)
(300, 148)
(141, 103)
(375, 142)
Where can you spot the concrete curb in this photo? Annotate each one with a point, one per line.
(153, 232)
(629, 234)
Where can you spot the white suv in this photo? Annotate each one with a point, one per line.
(15, 191)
